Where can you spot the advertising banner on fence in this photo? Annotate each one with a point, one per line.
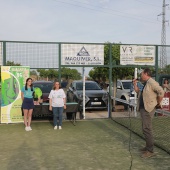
(137, 55)
(82, 54)
(13, 78)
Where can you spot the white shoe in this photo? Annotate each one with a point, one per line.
(60, 127)
(29, 128)
(55, 127)
(26, 128)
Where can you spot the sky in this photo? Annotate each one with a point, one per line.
(87, 21)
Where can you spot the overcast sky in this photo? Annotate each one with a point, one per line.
(125, 21)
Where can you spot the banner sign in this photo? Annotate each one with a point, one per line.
(0, 54)
(82, 54)
(137, 55)
(13, 78)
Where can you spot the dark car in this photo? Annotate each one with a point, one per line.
(46, 87)
(95, 96)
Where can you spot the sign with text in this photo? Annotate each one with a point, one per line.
(13, 79)
(82, 54)
(137, 55)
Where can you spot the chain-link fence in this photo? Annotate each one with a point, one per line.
(48, 55)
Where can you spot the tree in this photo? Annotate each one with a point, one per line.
(66, 73)
(33, 72)
(11, 63)
(69, 73)
(52, 74)
(43, 73)
(166, 70)
(102, 73)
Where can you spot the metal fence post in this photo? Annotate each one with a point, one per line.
(156, 64)
(59, 70)
(110, 80)
(4, 53)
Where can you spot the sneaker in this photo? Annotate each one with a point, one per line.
(29, 128)
(60, 127)
(26, 128)
(147, 154)
(55, 127)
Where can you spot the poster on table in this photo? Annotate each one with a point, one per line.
(137, 55)
(13, 78)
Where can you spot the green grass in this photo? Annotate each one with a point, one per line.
(161, 129)
(99, 144)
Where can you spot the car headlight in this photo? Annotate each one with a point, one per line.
(105, 96)
(80, 97)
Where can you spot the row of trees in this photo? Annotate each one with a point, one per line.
(66, 73)
(51, 74)
(102, 74)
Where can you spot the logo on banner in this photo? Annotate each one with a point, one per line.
(83, 52)
(78, 54)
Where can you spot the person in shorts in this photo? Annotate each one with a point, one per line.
(28, 103)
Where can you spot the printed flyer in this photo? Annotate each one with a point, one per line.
(13, 78)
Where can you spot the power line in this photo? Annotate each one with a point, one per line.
(135, 18)
(153, 5)
(114, 10)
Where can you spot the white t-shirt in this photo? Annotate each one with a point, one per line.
(57, 97)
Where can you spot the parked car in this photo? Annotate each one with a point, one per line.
(46, 87)
(95, 96)
(124, 91)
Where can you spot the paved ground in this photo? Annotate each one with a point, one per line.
(93, 114)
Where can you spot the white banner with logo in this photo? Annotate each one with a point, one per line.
(137, 55)
(82, 54)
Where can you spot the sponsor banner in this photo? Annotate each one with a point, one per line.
(13, 78)
(82, 54)
(0, 54)
(137, 55)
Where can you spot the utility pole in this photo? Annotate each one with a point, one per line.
(163, 56)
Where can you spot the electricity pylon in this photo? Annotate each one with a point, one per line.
(163, 56)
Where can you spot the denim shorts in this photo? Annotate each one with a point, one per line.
(28, 103)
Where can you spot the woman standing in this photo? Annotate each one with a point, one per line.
(57, 104)
(28, 103)
(166, 85)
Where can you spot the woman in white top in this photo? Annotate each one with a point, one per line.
(57, 101)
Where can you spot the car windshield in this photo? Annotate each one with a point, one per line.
(46, 88)
(88, 86)
(127, 85)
